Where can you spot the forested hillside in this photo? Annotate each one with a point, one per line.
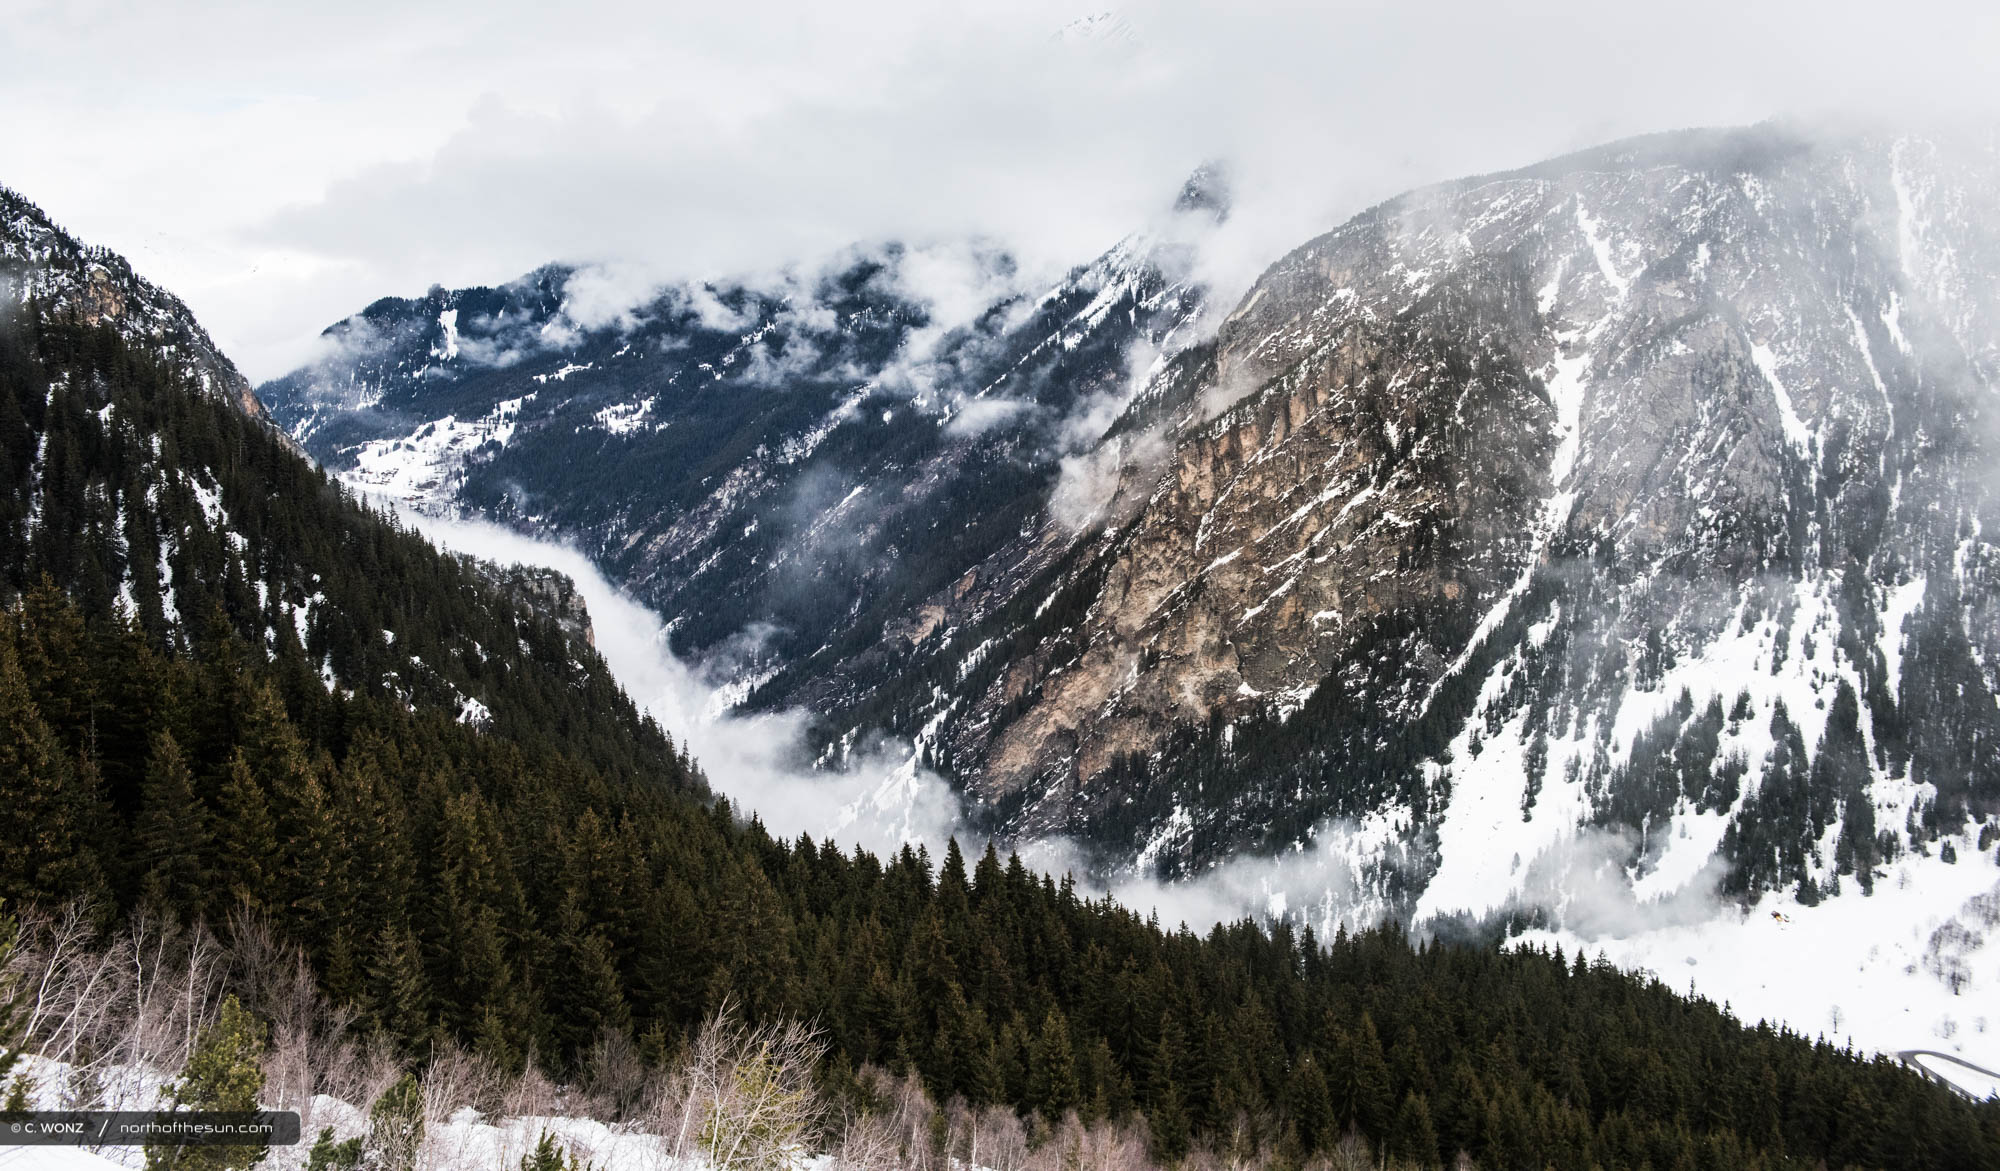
(139, 496)
(452, 884)
(183, 727)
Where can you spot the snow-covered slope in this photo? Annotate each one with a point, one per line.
(1642, 490)
(1905, 968)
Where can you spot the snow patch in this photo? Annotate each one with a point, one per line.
(1795, 430)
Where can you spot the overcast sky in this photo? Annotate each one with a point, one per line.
(280, 166)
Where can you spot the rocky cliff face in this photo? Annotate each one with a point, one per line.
(1643, 489)
(547, 592)
(1539, 500)
(46, 266)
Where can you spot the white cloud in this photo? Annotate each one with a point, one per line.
(711, 312)
(977, 416)
(879, 801)
(1088, 482)
(295, 168)
(607, 293)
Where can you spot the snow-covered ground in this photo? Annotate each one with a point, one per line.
(420, 469)
(1978, 1082)
(1904, 968)
(464, 1142)
(1857, 969)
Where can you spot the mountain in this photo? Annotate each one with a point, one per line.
(1622, 483)
(64, 277)
(157, 502)
(443, 845)
(1645, 486)
(788, 472)
(1640, 489)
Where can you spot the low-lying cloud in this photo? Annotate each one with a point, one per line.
(1584, 884)
(881, 799)
(976, 416)
(1088, 482)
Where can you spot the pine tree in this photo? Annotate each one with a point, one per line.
(329, 1154)
(1367, 1078)
(246, 838)
(396, 1127)
(1460, 1109)
(55, 660)
(1168, 1122)
(1013, 1054)
(547, 1156)
(467, 901)
(225, 1072)
(591, 997)
(50, 810)
(1310, 1106)
(172, 835)
(1052, 1081)
(398, 988)
(1412, 1136)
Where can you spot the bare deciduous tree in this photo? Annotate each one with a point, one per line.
(614, 1078)
(744, 1097)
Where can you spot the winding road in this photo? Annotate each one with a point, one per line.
(1909, 1057)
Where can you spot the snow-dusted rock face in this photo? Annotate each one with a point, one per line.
(1641, 491)
(786, 469)
(43, 265)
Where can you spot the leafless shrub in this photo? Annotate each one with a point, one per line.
(1246, 1142)
(870, 1142)
(907, 1108)
(1108, 1146)
(127, 1005)
(360, 1071)
(1003, 1141)
(1984, 909)
(1351, 1154)
(882, 1136)
(744, 1097)
(614, 1078)
(530, 1094)
(455, 1078)
(313, 1045)
(123, 1009)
